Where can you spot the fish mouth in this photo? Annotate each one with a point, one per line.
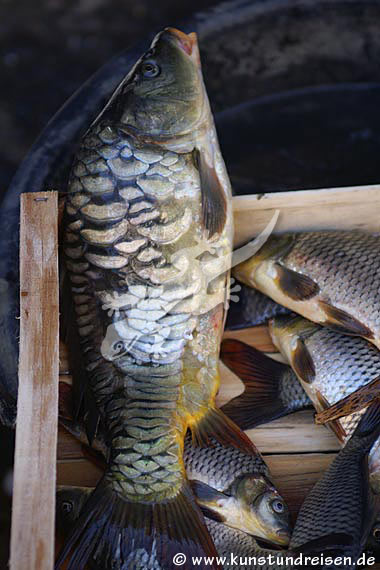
(283, 537)
(186, 41)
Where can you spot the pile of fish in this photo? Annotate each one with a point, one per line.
(328, 282)
(146, 238)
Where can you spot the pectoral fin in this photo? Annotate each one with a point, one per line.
(302, 362)
(207, 497)
(214, 203)
(352, 403)
(295, 285)
(344, 322)
(204, 492)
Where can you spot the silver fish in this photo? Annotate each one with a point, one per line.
(330, 366)
(329, 277)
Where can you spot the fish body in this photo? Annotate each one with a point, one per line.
(337, 515)
(330, 366)
(147, 244)
(329, 277)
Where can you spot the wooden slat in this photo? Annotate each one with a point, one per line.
(32, 540)
(254, 336)
(350, 208)
(77, 472)
(296, 433)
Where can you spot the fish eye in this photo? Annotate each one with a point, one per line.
(118, 346)
(150, 69)
(278, 506)
(67, 506)
(376, 534)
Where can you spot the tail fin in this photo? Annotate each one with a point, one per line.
(261, 400)
(352, 403)
(369, 425)
(116, 533)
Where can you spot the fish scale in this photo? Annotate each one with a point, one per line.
(329, 277)
(205, 464)
(292, 393)
(339, 505)
(354, 258)
(351, 362)
(148, 195)
(242, 552)
(106, 208)
(341, 365)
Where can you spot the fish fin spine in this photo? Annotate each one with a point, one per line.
(334, 425)
(369, 424)
(344, 322)
(216, 425)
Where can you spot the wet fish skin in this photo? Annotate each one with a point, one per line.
(330, 366)
(248, 554)
(337, 515)
(220, 466)
(329, 277)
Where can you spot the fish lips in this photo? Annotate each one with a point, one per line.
(187, 42)
(283, 536)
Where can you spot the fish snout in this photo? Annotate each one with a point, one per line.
(186, 41)
(283, 536)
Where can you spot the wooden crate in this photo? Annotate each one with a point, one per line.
(296, 450)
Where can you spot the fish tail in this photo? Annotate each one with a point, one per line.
(368, 429)
(115, 532)
(263, 399)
